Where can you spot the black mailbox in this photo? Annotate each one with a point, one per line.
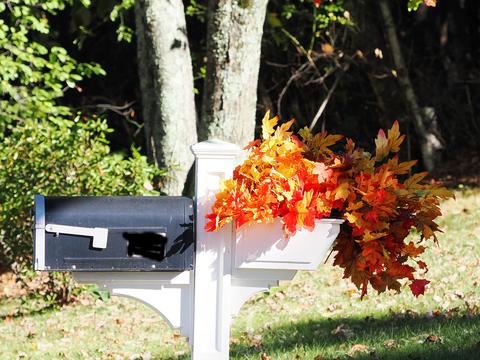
(113, 233)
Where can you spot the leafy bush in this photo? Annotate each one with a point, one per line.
(35, 70)
(60, 158)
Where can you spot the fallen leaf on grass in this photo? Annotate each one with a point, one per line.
(390, 344)
(356, 349)
(319, 357)
(146, 355)
(256, 341)
(265, 357)
(342, 331)
(433, 339)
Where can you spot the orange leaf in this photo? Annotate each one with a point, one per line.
(413, 250)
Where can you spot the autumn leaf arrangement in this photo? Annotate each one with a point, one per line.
(301, 179)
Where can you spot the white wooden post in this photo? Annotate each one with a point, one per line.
(215, 161)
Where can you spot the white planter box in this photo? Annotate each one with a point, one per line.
(263, 246)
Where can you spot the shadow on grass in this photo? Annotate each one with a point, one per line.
(389, 337)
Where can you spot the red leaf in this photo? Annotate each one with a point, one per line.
(317, 3)
(253, 143)
(372, 216)
(418, 286)
(211, 224)
(290, 221)
(421, 264)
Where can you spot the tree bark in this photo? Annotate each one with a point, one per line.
(429, 143)
(234, 38)
(166, 82)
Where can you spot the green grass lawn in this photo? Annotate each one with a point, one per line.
(316, 316)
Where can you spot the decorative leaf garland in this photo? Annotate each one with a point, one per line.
(303, 180)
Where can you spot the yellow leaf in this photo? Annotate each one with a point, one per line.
(368, 236)
(351, 217)
(268, 125)
(355, 206)
(305, 134)
(342, 191)
(394, 137)
(282, 132)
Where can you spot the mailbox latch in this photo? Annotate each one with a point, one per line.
(99, 235)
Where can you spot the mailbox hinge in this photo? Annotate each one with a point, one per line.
(99, 235)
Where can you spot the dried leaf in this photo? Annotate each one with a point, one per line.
(357, 348)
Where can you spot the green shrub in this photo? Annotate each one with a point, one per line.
(35, 71)
(60, 158)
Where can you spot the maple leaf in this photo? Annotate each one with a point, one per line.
(412, 250)
(323, 172)
(412, 182)
(397, 270)
(373, 252)
(400, 168)
(282, 132)
(290, 223)
(422, 265)
(268, 125)
(317, 3)
(342, 191)
(381, 145)
(427, 232)
(252, 144)
(305, 134)
(394, 137)
(442, 192)
(418, 286)
(212, 222)
(372, 216)
(431, 3)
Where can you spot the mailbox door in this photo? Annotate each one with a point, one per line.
(144, 233)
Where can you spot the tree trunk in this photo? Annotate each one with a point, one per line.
(234, 37)
(166, 82)
(429, 143)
